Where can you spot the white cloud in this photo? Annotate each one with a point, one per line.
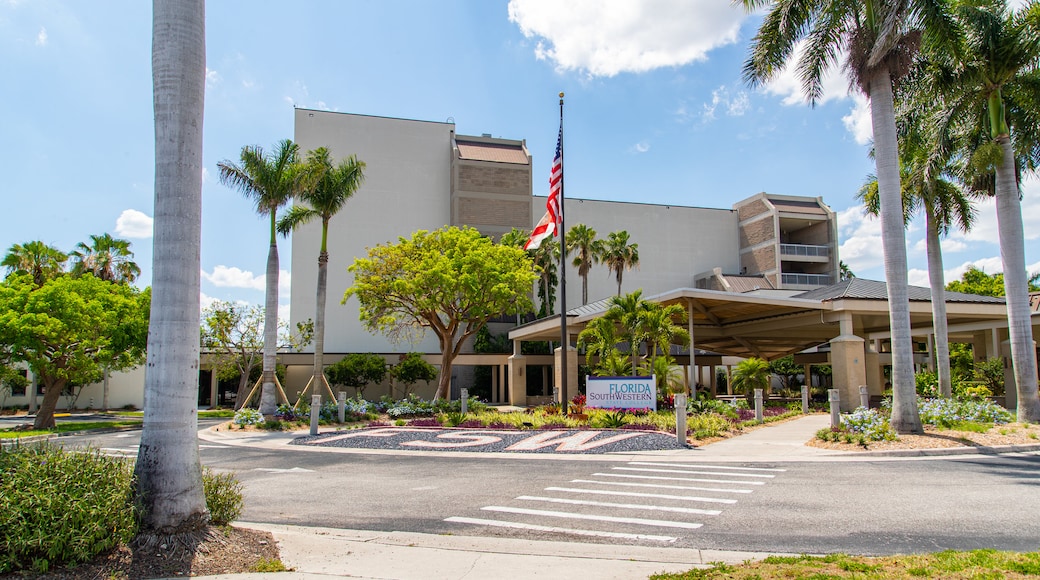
(948, 246)
(858, 120)
(283, 314)
(734, 106)
(212, 77)
(608, 37)
(284, 282)
(206, 301)
(985, 228)
(225, 277)
(133, 224)
(789, 86)
(861, 249)
(41, 38)
(641, 147)
(205, 174)
(917, 277)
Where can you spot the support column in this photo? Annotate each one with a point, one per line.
(930, 346)
(848, 364)
(518, 380)
(572, 370)
(714, 382)
(693, 348)
(875, 382)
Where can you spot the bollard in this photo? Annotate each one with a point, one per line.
(342, 402)
(758, 405)
(835, 400)
(805, 399)
(464, 398)
(315, 413)
(680, 419)
(864, 397)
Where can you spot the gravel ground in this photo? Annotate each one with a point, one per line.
(490, 440)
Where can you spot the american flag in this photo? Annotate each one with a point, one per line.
(549, 225)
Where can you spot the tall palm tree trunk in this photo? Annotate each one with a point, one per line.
(318, 378)
(905, 418)
(938, 284)
(169, 474)
(1016, 285)
(268, 403)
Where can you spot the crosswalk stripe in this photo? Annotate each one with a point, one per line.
(724, 467)
(553, 529)
(660, 478)
(702, 480)
(593, 517)
(214, 446)
(692, 472)
(630, 506)
(634, 494)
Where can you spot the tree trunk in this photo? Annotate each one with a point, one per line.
(168, 471)
(268, 403)
(905, 418)
(585, 289)
(444, 380)
(319, 322)
(244, 387)
(937, 282)
(1016, 284)
(104, 395)
(51, 393)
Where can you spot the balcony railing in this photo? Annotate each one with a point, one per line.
(804, 250)
(807, 279)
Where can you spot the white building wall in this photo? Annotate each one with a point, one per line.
(407, 188)
(675, 244)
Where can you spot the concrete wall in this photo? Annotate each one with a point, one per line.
(125, 388)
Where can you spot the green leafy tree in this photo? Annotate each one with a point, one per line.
(975, 281)
(625, 312)
(515, 237)
(36, 259)
(582, 242)
(878, 39)
(750, 374)
(657, 326)
(232, 333)
(168, 474)
(450, 281)
(786, 370)
(357, 371)
(271, 180)
(68, 329)
(619, 255)
(844, 272)
(600, 339)
(411, 369)
(546, 258)
(669, 378)
(107, 258)
(329, 188)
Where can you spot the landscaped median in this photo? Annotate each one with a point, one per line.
(26, 433)
(707, 420)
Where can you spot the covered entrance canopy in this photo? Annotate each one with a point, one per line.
(852, 316)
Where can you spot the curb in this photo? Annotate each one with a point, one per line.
(944, 451)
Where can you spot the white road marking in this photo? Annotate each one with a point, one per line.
(201, 446)
(573, 516)
(277, 470)
(647, 495)
(659, 478)
(629, 506)
(706, 466)
(648, 485)
(553, 529)
(647, 469)
(124, 435)
(694, 479)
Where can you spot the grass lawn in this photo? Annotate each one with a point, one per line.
(947, 565)
(68, 427)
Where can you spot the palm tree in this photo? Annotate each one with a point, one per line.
(329, 190)
(581, 239)
(37, 259)
(600, 338)
(619, 255)
(879, 39)
(546, 257)
(750, 374)
(625, 311)
(270, 180)
(168, 471)
(989, 83)
(107, 258)
(657, 327)
(944, 205)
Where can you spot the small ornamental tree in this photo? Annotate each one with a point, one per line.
(357, 371)
(750, 374)
(450, 281)
(412, 369)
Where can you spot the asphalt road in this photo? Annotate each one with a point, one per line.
(880, 507)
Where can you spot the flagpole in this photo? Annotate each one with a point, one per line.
(564, 340)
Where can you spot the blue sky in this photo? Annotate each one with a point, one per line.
(655, 112)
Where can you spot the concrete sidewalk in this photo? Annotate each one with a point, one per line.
(326, 552)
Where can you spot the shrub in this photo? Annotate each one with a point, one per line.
(609, 420)
(223, 496)
(867, 423)
(59, 508)
(927, 384)
(707, 425)
(946, 412)
(247, 416)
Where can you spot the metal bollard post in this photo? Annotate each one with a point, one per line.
(680, 419)
(315, 413)
(805, 399)
(758, 405)
(342, 402)
(835, 400)
(464, 399)
(864, 397)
